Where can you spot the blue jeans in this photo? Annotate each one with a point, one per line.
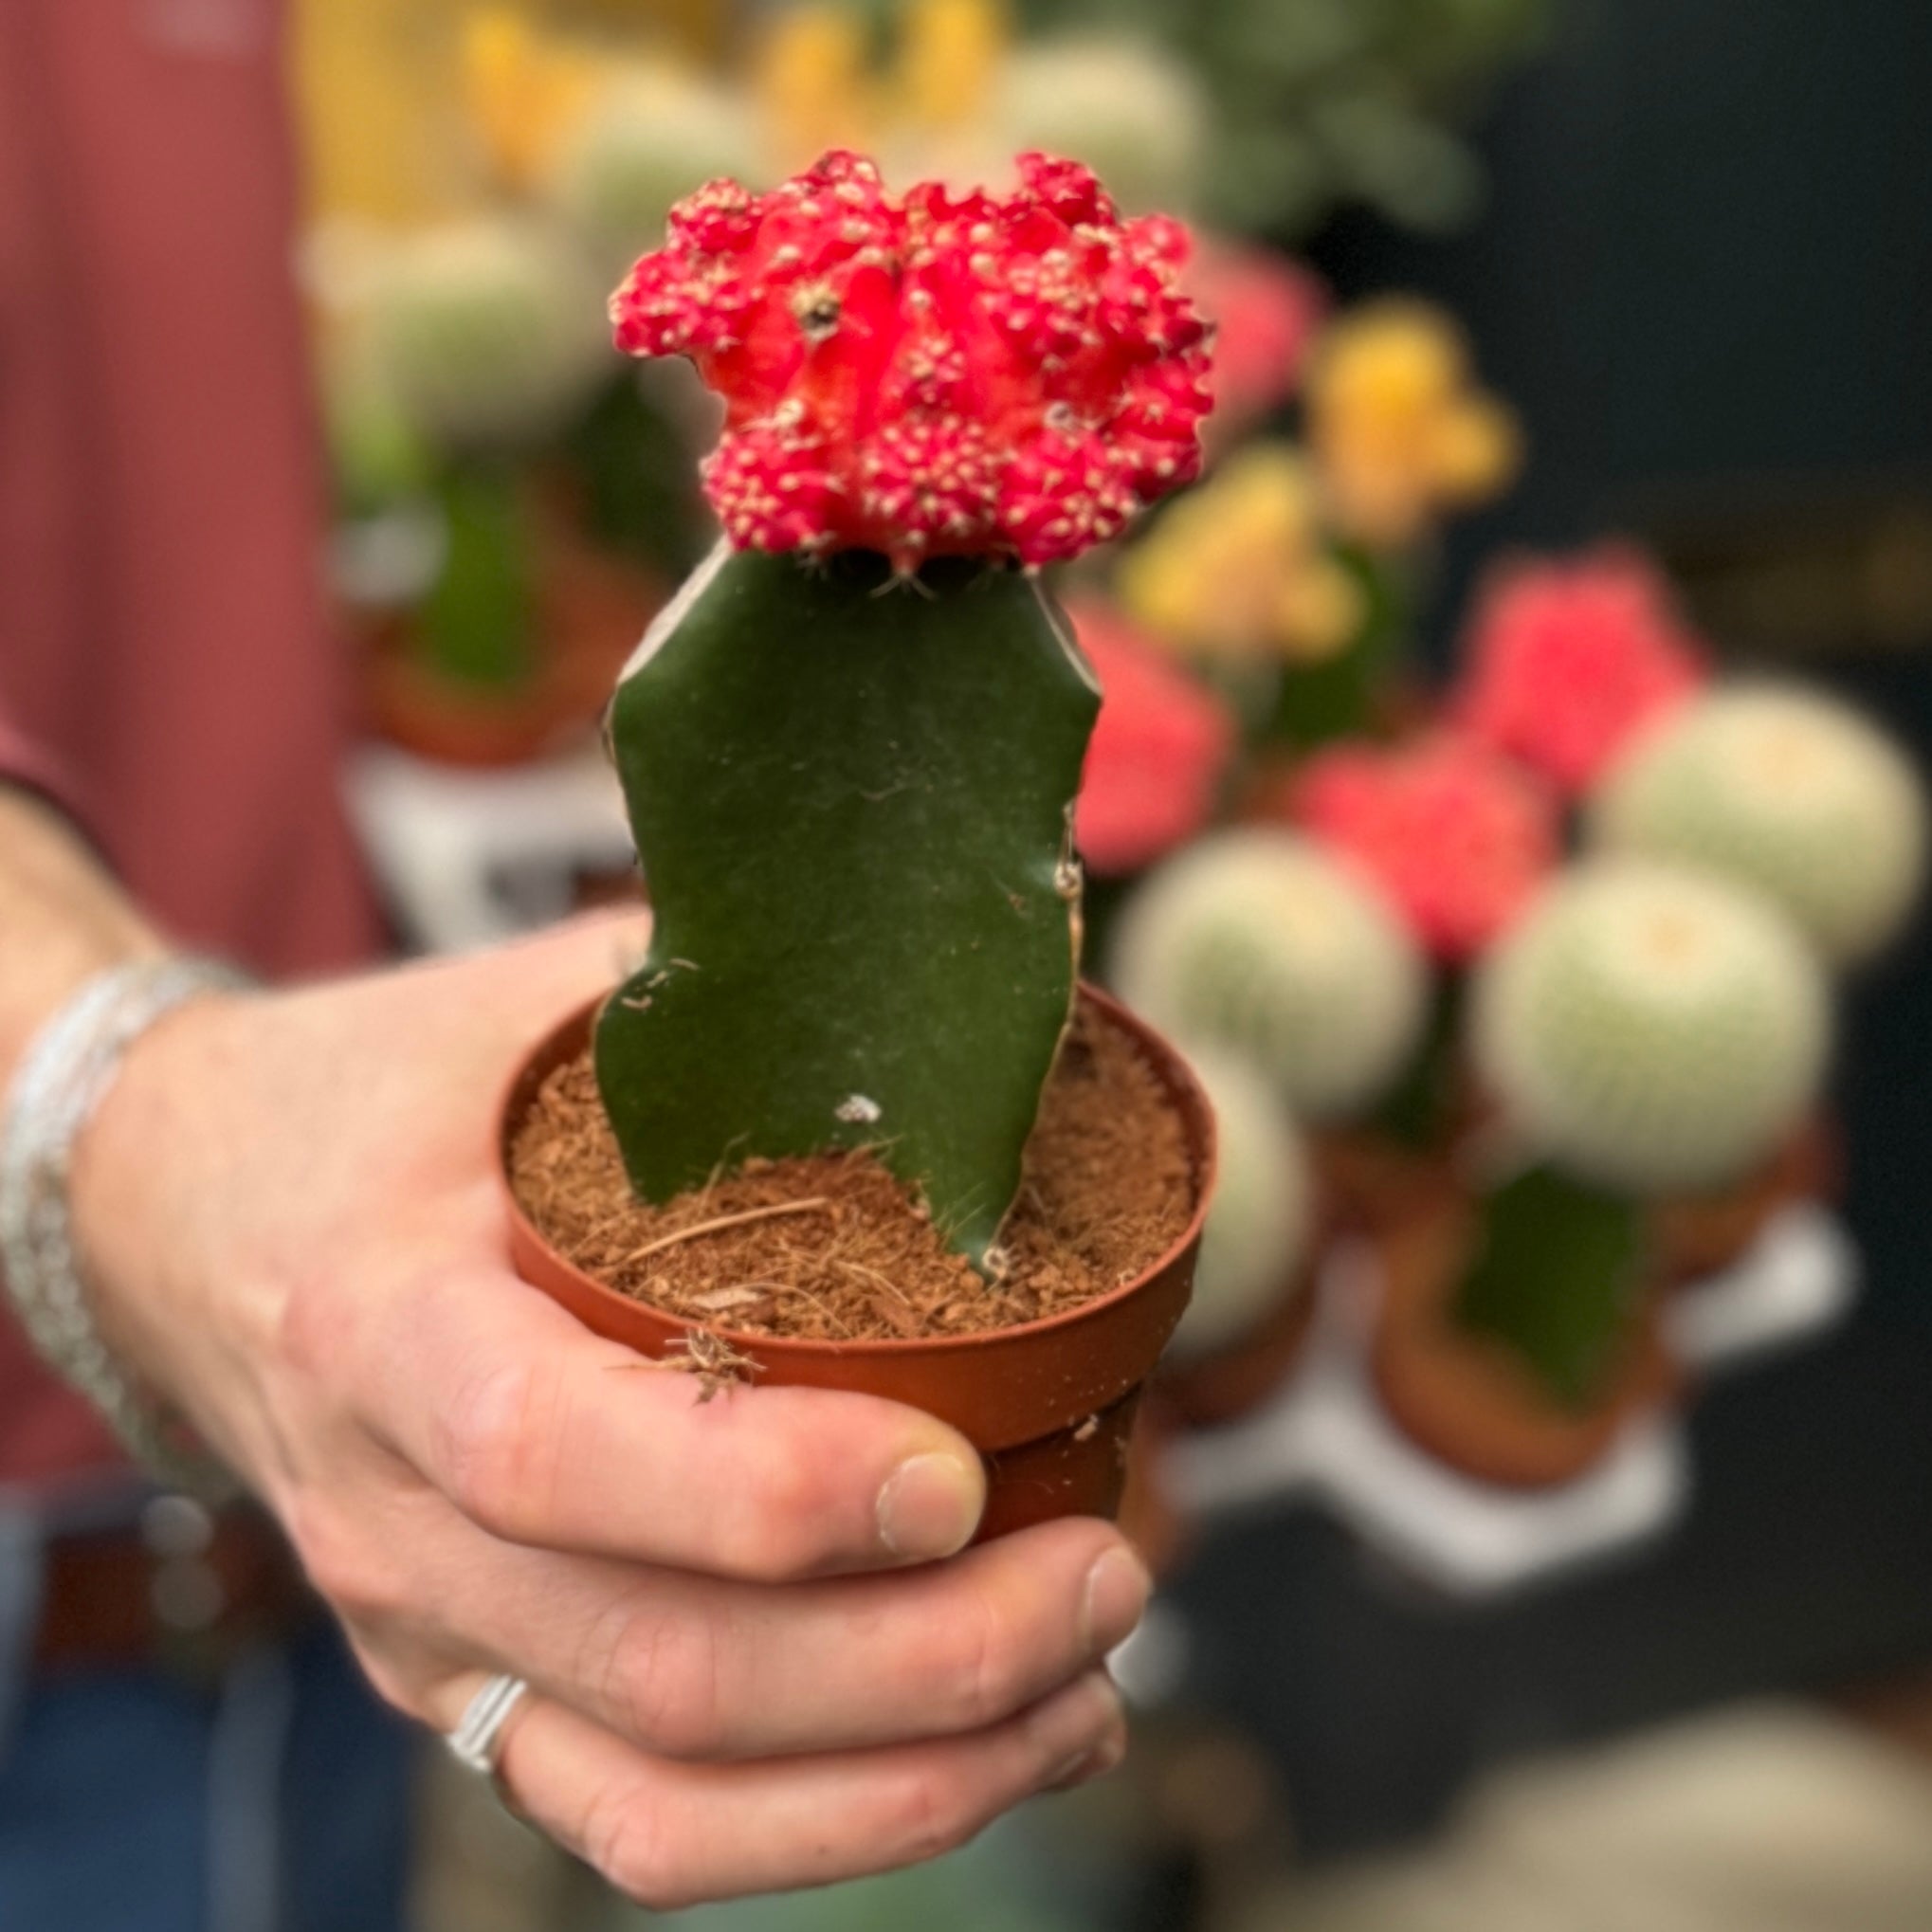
(274, 1800)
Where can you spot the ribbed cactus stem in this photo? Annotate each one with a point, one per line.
(1557, 1277)
(852, 798)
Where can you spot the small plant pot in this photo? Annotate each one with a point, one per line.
(591, 611)
(1465, 1399)
(1704, 1235)
(1050, 1405)
(1370, 1183)
(1211, 1390)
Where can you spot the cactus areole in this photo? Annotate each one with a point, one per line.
(850, 748)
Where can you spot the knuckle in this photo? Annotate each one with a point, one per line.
(498, 1446)
(308, 1324)
(347, 1566)
(785, 1524)
(926, 1814)
(985, 1666)
(621, 1838)
(667, 1683)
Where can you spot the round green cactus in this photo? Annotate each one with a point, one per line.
(1651, 1028)
(1131, 112)
(1260, 942)
(483, 334)
(650, 143)
(1259, 1225)
(1790, 792)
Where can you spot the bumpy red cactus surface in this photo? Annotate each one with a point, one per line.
(1569, 658)
(932, 374)
(1459, 840)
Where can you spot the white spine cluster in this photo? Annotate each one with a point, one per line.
(1263, 944)
(483, 333)
(1133, 115)
(1790, 792)
(647, 144)
(1654, 1028)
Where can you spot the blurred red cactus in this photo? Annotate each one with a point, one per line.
(1459, 839)
(1568, 659)
(1158, 753)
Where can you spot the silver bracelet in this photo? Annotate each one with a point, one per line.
(62, 1079)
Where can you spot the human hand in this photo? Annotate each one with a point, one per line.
(750, 1670)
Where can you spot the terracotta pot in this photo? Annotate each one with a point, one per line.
(1371, 1182)
(1701, 1236)
(1210, 1390)
(1467, 1400)
(591, 609)
(1050, 1405)
(1150, 1517)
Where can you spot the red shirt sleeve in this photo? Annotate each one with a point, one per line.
(25, 764)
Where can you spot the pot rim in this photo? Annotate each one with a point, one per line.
(1170, 1066)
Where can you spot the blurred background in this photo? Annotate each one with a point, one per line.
(1574, 383)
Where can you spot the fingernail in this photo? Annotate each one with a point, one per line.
(1117, 1592)
(1103, 1757)
(930, 1506)
(1082, 1724)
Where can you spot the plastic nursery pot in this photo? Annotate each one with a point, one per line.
(1465, 1399)
(1370, 1182)
(590, 610)
(1701, 1236)
(1050, 1405)
(1208, 1391)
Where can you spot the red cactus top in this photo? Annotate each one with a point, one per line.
(933, 373)
(1569, 658)
(1458, 839)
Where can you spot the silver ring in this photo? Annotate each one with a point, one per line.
(477, 1741)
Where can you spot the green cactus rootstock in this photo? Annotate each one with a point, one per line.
(851, 796)
(1556, 1278)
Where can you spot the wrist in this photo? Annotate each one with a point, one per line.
(61, 1081)
(55, 891)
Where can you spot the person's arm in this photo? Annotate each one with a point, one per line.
(289, 1204)
(61, 917)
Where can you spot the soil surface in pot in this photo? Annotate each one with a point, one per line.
(833, 1248)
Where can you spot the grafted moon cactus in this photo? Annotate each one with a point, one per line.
(1787, 790)
(1652, 1028)
(1262, 943)
(850, 748)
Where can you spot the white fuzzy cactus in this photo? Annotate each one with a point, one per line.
(1790, 792)
(1133, 113)
(483, 332)
(1259, 1225)
(1652, 1028)
(651, 140)
(1263, 943)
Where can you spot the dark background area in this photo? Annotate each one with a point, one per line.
(1706, 279)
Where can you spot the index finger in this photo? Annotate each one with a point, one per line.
(544, 1433)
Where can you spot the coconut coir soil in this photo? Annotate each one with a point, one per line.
(833, 1248)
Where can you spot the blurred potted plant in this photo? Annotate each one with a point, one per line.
(851, 1123)
(1645, 1031)
(1797, 797)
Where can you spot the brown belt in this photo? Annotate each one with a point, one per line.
(186, 1589)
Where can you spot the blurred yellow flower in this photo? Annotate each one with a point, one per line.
(1240, 568)
(950, 54)
(811, 76)
(1397, 427)
(526, 90)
